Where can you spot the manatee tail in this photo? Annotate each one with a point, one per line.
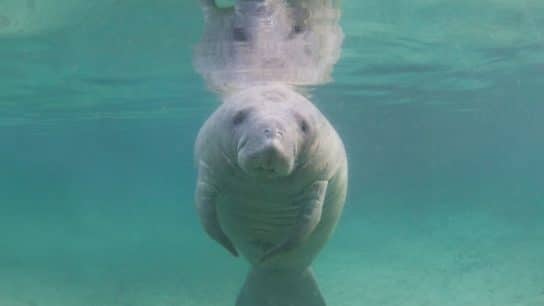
(267, 287)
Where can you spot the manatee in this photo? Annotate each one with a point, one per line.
(272, 181)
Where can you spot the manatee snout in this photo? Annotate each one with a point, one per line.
(266, 151)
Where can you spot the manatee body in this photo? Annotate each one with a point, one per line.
(272, 180)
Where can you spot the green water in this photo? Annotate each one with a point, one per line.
(439, 103)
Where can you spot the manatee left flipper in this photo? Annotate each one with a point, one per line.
(311, 206)
(206, 193)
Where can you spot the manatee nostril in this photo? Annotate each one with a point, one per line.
(273, 133)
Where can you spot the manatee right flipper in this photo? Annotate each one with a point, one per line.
(206, 193)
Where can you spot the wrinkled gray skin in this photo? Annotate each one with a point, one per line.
(294, 42)
(272, 177)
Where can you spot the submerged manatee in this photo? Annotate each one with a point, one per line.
(272, 180)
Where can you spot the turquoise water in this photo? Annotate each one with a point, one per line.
(439, 104)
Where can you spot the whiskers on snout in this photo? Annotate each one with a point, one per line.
(271, 159)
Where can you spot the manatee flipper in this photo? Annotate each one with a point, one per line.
(265, 287)
(311, 206)
(206, 193)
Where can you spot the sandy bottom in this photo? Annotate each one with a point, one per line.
(479, 255)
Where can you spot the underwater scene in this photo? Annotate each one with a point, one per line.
(396, 146)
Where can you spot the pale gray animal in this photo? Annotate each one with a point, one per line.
(272, 180)
(295, 42)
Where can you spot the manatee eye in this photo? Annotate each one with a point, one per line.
(296, 30)
(304, 126)
(240, 116)
(302, 123)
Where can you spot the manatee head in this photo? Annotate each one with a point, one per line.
(271, 131)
